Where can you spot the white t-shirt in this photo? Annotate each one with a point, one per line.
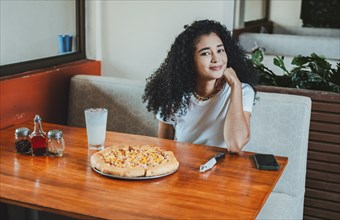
(204, 121)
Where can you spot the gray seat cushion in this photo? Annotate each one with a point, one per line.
(122, 97)
(282, 206)
(280, 126)
(292, 45)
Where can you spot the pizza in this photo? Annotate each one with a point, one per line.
(134, 161)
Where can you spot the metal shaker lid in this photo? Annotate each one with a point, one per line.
(22, 131)
(55, 134)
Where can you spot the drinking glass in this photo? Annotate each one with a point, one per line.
(96, 120)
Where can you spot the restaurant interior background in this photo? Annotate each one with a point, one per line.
(121, 38)
(127, 39)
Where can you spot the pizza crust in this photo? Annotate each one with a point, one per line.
(166, 166)
(98, 162)
(134, 161)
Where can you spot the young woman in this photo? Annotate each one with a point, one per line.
(203, 91)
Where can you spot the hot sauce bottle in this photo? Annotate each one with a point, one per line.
(38, 138)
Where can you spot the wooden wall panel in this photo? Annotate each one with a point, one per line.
(44, 92)
(327, 147)
(318, 213)
(327, 177)
(331, 206)
(320, 184)
(322, 126)
(324, 166)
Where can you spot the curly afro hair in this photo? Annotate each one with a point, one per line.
(169, 89)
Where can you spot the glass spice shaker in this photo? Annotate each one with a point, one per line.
(22, 140)
(55, 143)
(38, 138)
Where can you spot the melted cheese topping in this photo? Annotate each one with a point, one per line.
(135, 155)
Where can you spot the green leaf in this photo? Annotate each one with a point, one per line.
(335, 77)
(309, 72)
(279, 61)
(300, 60)
(257, 57)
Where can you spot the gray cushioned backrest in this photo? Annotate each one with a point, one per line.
(292, 45)
(280, 126)
(122, 98)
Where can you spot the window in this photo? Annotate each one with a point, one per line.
(19, 16)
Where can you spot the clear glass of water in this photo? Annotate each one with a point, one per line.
(96, 120)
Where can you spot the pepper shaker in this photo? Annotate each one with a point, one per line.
(22, 140)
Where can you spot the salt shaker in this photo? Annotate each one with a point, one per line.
(22, 140)
(55, 143)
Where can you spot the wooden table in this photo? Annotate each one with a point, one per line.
(234, 188)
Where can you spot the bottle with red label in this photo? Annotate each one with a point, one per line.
(38, 138)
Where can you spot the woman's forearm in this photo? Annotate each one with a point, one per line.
(165, 131)
(236, 126)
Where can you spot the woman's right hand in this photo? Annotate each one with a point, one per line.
(231, 77)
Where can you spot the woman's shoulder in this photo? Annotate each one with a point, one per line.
(245, 87)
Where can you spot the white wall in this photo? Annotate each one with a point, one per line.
(285, 12)
(132, 38)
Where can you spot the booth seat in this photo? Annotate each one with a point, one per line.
(292, 41)
(306, 31)
(292, 45)
(279, 125)
(122, 98)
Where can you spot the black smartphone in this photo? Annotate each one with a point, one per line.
(266, 162)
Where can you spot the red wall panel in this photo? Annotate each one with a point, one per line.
(44, 92)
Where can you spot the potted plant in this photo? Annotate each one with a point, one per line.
(314, 77)
(310, 72)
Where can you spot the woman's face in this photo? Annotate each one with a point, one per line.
(210, 57)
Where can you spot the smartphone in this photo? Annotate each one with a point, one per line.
(266, 162)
